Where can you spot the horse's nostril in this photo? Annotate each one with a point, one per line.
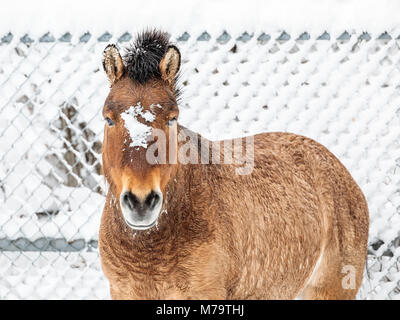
(152, 199)
(130, 200)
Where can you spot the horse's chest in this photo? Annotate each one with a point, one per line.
(139, 285)
(140, 279)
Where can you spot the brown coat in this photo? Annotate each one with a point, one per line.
(286, 230)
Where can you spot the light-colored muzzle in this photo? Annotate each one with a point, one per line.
(141, 213)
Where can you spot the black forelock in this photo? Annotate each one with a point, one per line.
(143, 57)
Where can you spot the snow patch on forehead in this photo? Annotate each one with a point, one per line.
(155, 105)
(138, 131)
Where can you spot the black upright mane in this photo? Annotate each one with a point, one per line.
(143, 57)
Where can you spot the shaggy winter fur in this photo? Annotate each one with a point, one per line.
(286, 230)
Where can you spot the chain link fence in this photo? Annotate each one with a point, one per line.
(344, 92)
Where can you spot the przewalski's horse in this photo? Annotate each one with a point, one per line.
(296, 226)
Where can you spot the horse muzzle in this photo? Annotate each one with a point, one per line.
(141, 213)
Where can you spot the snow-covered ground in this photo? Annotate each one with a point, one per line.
(51, 275)
(241, 75)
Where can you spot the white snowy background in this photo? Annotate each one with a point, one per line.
(327, 69)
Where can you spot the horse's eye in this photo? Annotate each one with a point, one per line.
(109, 121)
(171, 122)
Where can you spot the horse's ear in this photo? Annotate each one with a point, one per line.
(170, 63)
(112, 63)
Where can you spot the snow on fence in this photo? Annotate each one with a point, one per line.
(344, 92)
